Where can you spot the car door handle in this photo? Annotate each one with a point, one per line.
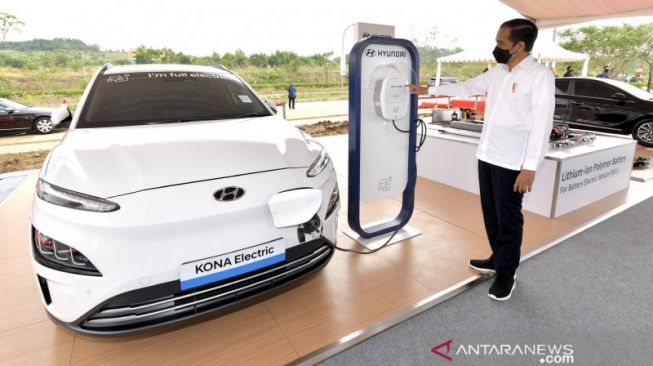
(577, 103)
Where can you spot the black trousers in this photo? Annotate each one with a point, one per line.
(504, 222)
(291, 102)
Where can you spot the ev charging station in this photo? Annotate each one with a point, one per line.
(382, 135)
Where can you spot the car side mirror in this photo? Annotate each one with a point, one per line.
(620, 96)
(272, 105)
(61, 114)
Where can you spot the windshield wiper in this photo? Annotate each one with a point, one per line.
(250, 115)
(177, 120)
(181, 120)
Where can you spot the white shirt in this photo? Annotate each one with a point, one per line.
(518, 113)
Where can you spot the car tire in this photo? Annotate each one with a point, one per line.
(643, 132)
(43, 125)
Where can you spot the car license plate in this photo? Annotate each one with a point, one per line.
(213, 269)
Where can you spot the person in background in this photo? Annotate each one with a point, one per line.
(605, 73)
(513, 143)
(292, 94)
(569, 72)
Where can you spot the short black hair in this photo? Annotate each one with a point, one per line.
(522, 30)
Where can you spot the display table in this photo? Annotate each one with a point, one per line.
(567, 179)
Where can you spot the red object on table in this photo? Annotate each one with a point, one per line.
(465, 103)
(468, 104)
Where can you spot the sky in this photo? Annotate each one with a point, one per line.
(201, 27)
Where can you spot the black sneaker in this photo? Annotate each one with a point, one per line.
(483, 265)
(502, 288)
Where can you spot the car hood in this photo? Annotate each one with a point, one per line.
(38, 110)
(107, 162)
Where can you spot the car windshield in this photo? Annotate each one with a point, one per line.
(167, 97)
(12, 105)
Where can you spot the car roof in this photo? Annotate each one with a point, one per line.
(123, 69)
(604, 80)
(629, 88)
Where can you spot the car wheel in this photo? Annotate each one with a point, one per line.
(643, 132)
(43, 125)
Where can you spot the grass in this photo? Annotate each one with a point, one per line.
(22, 161)
(49, 87)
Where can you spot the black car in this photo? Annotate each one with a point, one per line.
(444, 80)
(605, 105)
(15, 117)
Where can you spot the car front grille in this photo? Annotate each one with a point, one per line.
(149, 307)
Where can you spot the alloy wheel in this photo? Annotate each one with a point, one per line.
(44, 125)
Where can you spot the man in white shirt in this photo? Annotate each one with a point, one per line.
(518, 121)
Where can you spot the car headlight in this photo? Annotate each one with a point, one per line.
(57, 255)
(67, 198)
(333, 202)
(319, 164)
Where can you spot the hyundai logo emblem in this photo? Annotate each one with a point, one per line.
(370, 52)
(228, 194)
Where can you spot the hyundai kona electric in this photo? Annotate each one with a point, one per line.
(176, 193)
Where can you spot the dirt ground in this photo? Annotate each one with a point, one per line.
(326, 128)
(22, 161)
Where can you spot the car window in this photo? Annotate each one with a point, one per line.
(631, 89)
(562, 86)
(161, 97)
(588, 88)
(8, 104)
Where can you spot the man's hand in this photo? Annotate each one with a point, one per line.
(524, 181)
(417, 89)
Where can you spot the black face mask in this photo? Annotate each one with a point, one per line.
(501, 55)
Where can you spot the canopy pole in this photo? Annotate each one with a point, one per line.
(438, 73)
(586, 65)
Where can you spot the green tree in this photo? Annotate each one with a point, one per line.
(282, 58)
(181, 58)
(645, 50)
(324, 61)
(617, 46)
(258, 60)
(228, 60)
(240, 58)
(9, 22)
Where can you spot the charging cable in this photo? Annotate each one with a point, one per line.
(422, 125)
(422, 135)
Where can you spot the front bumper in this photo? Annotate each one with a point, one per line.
(166, 304)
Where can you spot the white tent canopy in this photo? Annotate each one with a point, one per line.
(553, 13)
(544, 50)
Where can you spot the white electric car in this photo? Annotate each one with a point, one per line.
(176, 193)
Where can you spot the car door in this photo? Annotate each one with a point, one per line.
(6, 118)
(596, 104)
(23, 118)
(562, 98)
